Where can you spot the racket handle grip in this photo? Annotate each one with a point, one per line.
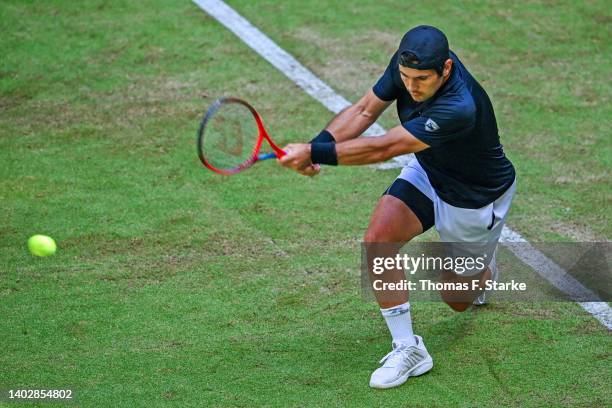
(266, 156)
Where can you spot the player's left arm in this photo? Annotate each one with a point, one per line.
(363, 150)
(367, 150)
(446, 121)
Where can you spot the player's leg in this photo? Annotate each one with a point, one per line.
(482, 298)
(461, 300)
(393, 224)
(401, 214)
(478, 230)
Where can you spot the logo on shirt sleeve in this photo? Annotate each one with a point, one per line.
(431, 126)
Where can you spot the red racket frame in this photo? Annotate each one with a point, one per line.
(255, 156)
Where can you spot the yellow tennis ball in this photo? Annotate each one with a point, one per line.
(41, 245)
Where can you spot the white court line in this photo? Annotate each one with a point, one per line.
(323, 93)
(557, 276)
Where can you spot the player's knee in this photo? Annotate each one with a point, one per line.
(457, 301)
(458, 306)
(375, 235)
(371, 236)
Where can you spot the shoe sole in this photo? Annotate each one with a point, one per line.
(419, 369)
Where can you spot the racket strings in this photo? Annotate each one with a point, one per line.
(230, 135)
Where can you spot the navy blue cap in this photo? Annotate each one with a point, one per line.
(428, 44)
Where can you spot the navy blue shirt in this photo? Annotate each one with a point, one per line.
(465, 162)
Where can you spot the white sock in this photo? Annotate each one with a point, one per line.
(399, 323)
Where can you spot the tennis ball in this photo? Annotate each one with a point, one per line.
(41, 245)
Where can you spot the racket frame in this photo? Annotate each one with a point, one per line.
(255, 156)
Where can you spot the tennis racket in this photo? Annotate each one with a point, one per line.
(231, 135)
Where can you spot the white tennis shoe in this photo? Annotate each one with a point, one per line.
(482, 298)
(402, 362)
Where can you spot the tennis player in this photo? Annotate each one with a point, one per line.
(461, 181)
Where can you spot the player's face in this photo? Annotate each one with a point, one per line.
(423, 84)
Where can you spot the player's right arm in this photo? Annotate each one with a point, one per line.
(354, 120)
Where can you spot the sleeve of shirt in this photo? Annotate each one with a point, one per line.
(442, 123)
(385, 87)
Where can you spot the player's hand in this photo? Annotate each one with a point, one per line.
(311, 170)
(298, 159)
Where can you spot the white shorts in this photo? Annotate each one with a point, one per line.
(480, 228)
